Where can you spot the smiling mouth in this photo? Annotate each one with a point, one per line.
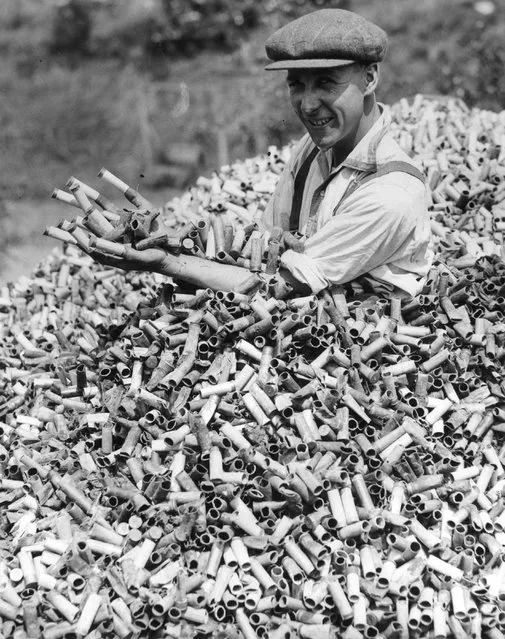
(320, 122)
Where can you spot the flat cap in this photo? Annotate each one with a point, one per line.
(326, 38)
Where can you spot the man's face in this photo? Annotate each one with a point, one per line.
(329, 103)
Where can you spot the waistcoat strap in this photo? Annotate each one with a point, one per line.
(303, 172)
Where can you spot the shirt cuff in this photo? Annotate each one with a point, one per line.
(304, 269)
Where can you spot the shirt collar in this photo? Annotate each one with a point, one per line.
(364, 155)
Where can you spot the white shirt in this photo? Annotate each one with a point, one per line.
(381, 230)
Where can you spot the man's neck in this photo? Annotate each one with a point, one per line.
(371, 113)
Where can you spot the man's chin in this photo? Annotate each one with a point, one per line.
(323, 144)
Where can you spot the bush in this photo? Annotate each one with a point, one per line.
(476, 73)
(61, 122)
(71, 28)
(291, 9)
(441, 48)
(193, 26)
(185, 28)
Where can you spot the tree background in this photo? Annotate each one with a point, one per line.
(161, 91)
(138, 84)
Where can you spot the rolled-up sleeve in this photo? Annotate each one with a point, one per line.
(383, 221)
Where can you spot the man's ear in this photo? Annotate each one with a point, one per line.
(371, 77)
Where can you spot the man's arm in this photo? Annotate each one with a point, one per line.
(187, 268)
(199, 272)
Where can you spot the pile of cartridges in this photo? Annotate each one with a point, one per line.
(189, 462)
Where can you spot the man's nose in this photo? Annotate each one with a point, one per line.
(310, 102)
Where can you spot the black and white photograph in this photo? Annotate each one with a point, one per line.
(252, 319)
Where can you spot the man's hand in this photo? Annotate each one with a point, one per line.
(293, 242)
(282, 284)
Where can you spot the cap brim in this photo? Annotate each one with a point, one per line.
(310, 63)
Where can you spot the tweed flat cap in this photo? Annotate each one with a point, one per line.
(326, 38)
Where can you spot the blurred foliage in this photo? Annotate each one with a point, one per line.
(194, 25)
(447, 47)
(292, 9)
(74, 84)
(61, 122)
(186, 28)
(440, 46)
(71, 28)
(475, 72)
(190, 26)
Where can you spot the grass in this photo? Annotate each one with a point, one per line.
(58, 122)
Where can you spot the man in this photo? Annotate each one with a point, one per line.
(351, 203)
(352, 194)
